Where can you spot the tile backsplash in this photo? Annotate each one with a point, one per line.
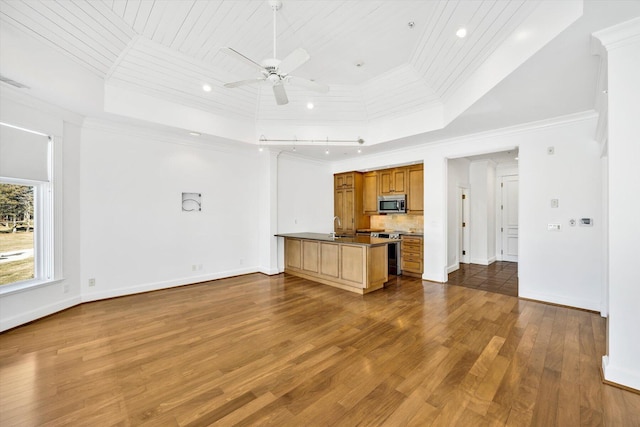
(400, 222)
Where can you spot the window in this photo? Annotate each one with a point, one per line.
(26, 214)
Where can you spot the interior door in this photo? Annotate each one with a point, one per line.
(464, 225)
(509, 218)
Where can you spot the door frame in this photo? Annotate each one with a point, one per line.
(463, 232)
(499, 215)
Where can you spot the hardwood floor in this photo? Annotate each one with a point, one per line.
(258, 350)
(500, 277)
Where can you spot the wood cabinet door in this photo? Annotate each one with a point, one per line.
(370, 193)
(293, 253)
(415, 193)
(344, 208)
(399, 181)
(344, 180)
(338, 210)
(311, 256)
(385, 181)
(392, 181)
(349, 210)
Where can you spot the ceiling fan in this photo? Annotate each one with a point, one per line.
(274, 71)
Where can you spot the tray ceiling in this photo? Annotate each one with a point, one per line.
(166, 50)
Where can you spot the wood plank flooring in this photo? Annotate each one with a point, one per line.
(259, 350)
(500, 277)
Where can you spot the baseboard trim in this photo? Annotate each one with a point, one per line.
(593, 306)
(483, 261)
(453, 267)
(606, 368)
(156, 286)
(39, 313)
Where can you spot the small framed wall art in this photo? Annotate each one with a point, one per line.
(191, 202)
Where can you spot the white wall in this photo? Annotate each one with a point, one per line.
(458, 177)
(135, 236)
(305, 195)
(482, 225)
(561, 266)
(305, 198)
(623, 51)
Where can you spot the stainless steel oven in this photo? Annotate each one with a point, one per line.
(393, 253)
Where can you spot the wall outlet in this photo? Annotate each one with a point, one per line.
(199, 267)
(555, 203)
(194, 267)
(65, 289)
(92, 282)
(241, 261)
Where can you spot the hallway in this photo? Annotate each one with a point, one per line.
(500, 277)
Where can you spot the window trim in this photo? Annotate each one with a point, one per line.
(43, 239)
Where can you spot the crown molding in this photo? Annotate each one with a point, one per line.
(619, 35)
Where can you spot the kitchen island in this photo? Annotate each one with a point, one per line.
(356, 263)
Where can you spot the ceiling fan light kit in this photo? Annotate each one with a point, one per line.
(274, 71)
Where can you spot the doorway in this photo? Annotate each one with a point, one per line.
(508, 218)
(500, 277)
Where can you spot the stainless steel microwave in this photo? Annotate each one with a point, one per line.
(392, 204)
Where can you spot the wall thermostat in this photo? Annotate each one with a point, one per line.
(586, 222)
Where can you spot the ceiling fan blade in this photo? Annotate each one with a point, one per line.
(281, 94)
(244, 82)
(237, 55)
(308, 84)
(293, 61)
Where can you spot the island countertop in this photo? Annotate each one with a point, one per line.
(356, 263)
(352, 240)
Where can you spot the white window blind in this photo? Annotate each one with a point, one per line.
(23, 154)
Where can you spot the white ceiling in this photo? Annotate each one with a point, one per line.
(151, 58)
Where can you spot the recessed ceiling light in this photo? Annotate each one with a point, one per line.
(206, 87)
(411, 24)
(310, 105)
(359, 150)
(194, 133)
(462, 32)
(260, 149)
(359, 64)
(326, 151)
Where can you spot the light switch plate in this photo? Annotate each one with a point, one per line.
(555, 203)
(553, 227)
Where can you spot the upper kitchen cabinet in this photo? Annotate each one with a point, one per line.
(344, 180)
(392, 181)
(347, 203)
(370, 193)
(415, 191)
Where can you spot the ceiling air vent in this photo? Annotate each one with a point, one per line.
(13, 82)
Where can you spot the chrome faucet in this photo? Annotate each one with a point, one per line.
(333, 233)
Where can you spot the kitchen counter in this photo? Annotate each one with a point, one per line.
(412, 233)
(355, 240)
(357, 264)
